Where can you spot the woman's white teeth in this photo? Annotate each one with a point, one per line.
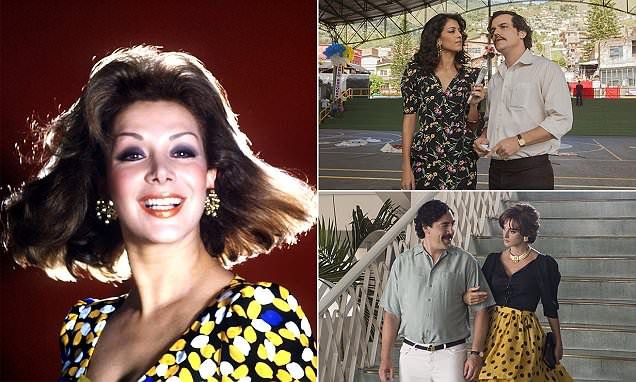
(162, 204)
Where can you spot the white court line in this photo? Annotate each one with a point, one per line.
(614, 155)
(562, 186)
(564, 158)
(481, 174)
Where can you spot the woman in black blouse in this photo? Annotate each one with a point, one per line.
(436, 87)
(519, 277)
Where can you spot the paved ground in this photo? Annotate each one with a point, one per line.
(584, 163)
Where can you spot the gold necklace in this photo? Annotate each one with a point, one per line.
(517, 259)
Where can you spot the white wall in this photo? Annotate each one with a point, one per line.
(344, 203)
(370, 202)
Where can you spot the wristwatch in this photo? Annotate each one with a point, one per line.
(520, 140)
(477, 353)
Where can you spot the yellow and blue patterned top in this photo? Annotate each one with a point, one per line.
(252, 332)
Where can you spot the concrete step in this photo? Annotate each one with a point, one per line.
(593, 266)
(582, 364)
(597, 266)
(591, 336)
(582, 209)
(622, 288)
(591, 311)
(562, 246)
(575, 195)
(601, 364)
(576, 227)
(599, 337)
(371, 375)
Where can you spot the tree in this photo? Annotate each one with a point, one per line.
(601, 23)
(538, 42)
(559, 59)
(375, 84)
(401, 53)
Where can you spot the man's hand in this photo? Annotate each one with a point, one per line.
(472, 367)
(506, 147)
(386, 370)
(477, 145)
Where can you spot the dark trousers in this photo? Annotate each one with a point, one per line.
(579, 100)
(531, 173)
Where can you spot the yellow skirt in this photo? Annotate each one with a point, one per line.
(514, 349)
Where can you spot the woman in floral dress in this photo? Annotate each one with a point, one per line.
(436, 87)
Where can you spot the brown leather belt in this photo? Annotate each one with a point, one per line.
(434, 347)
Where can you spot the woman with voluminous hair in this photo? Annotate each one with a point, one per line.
(519, 277)
(148, 175)
(438, 91)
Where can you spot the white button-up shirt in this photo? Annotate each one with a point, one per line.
(530, 93)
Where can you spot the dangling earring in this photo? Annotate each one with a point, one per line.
(439, 48)
(212, 203)
(525, 239)
(106, 211)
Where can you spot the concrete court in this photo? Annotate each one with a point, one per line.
(584, 163)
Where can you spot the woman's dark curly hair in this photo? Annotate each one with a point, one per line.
(50, 223)
(427, 55)
(524, 217)
(429, 213)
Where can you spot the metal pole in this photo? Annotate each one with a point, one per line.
(489, 42)
(334, 39)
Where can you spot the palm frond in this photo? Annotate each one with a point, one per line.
(334, 254)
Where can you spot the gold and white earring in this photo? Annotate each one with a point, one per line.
(212, 203)
(106, 211)
(439, 48)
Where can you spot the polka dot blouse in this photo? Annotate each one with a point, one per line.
(252, 332)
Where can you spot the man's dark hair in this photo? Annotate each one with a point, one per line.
(518, 22)
(428, 214)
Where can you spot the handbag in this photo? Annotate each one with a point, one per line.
(548, 350)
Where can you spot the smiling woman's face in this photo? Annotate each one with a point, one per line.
(157, 172)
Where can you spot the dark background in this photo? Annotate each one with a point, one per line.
(262, 52)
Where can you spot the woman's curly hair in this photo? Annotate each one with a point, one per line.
(525, 217)
(427, 56)
(50, 222)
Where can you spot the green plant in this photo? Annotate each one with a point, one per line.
(362, 226)
(334, 252)
(375, 84)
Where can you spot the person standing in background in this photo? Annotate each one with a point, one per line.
(579, 94)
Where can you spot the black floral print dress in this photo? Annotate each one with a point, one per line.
(442, 155)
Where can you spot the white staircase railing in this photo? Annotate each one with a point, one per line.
(350, 317)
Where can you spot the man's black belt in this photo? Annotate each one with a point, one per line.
(434, 347)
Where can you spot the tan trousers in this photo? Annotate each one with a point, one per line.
(446, 365)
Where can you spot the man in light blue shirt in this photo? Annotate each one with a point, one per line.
(423, 303)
